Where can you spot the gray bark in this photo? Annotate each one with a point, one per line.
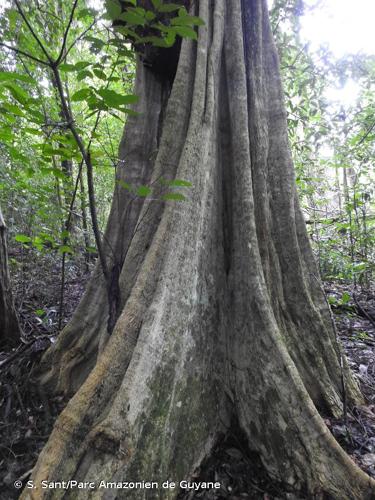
(9, 327)
(221, 315)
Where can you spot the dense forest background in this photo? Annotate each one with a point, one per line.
(60, 129)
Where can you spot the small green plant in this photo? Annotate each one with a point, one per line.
(360, 335)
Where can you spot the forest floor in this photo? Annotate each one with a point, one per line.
(27, 416)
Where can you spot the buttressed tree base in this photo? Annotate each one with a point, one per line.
(221, 317)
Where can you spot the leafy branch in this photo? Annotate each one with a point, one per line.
(54, 66)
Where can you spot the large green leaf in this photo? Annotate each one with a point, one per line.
(132, 17)
(187, 21)
(22, 238)
(113, 99)
(67, 67)
(143, 191)
(174, 197)
(168, 7)
(100, 74)
(11, 75)
(81, 95)
(17, 92)
(186, 32)
(84, 74)
(113, 8)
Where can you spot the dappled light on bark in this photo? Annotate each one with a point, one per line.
(220, 314)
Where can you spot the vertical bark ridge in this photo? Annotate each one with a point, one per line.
(298, 305)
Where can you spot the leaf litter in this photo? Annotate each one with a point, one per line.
(27, 415)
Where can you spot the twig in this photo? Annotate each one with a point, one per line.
(35, 36)
(22, 349)
(363, 311)
(61, 55)
(21, 52)
(25, 475)
(78, 38)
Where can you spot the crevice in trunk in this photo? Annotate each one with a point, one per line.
(237, 468)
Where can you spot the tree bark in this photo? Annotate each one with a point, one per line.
(221, 315)
(9, 327)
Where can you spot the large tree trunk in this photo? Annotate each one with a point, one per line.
(221, 316)
(9, 327)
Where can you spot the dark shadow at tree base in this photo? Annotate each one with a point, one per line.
(239, 471)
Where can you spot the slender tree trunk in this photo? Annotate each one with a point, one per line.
(85, 227)
(221, 316)
(9, 327)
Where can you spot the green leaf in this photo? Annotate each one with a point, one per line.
(360, 267)
(40, 312)
(96, 43)
(100, 74)
(164, 42)
(67, 67)
(143, 191)
(186, 32)
(133, 18)
(124, 185)
(95, 103)
(35, 116)
(180, 183)
(81, 65)
(13, 17)
(345, 298)
(11, 75)
(332, 300)
(149, 16)
(174, 196)
(10, 119)
(168, 7)
(65, 249)
(22, 238)
(128, 32)
(113, 8)
(81, 95)
(6, 133)
(52, 171)
(129, 111)
(84, 74)
(113, 99)
(85, 13)
(33, 131)
(17, 92)
(12, 108)
(187, 21)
